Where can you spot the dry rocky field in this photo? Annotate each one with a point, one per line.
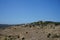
(31, 31)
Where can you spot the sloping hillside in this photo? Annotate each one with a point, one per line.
(32, 31)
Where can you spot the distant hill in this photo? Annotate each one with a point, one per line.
(33, 23)
(4, 25)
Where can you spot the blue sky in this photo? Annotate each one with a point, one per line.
(25, 11)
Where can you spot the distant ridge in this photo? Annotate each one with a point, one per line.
(33, 23)
(4, 25)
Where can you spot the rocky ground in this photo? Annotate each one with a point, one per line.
(31, 32)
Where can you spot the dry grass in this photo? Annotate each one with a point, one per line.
(31, 32)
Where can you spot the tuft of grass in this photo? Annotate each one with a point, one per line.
(56, 36)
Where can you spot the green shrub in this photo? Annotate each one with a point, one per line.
(5, 38)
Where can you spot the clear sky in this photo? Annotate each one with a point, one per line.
(25, 11)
